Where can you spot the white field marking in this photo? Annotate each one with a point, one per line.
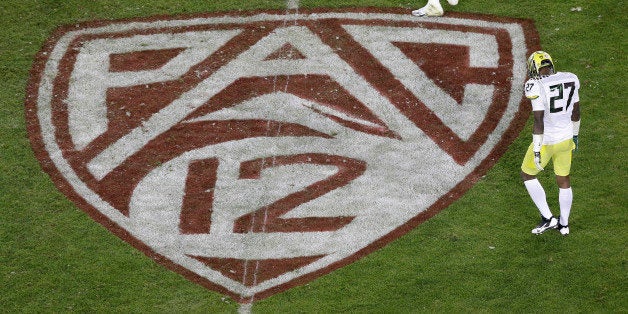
(512, 28)
(245, 308)
(87, 108)
(127, 148)
(389, 210)
(320, 59)
(172, 114)
(291, 5)
(483, 53)
(284, 107)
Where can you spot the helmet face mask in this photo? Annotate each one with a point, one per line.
(538, 60)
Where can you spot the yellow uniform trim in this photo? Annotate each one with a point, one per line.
(560, 153)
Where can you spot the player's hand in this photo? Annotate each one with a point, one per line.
(575, 141)
(537, 160)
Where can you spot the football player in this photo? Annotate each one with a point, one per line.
(432, 8)
(556, 108)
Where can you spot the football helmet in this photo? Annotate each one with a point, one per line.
(536, 61)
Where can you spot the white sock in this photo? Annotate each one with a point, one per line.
(537, 193)
(565, 198)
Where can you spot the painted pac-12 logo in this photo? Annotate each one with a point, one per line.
(253, 152)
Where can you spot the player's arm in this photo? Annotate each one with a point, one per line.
(539, 126)
(533, 93)
(575, 120)
(537, 136)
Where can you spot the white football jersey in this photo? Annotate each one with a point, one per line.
(555, 94)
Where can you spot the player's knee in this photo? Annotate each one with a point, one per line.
(526, 177)
(563, 182)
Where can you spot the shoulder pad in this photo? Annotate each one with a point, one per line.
(532, 89)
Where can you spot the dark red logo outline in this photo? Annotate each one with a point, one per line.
(35, 136)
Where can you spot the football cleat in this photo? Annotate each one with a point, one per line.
(536, 61)
(545, 225)
(564, 230)
(419, 12)
(430, 9)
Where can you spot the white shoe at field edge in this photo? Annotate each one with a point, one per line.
(429, 10)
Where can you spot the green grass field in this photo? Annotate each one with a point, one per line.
(476, 256)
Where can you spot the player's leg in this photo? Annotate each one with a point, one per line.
(536, 191)
(432, 8)
(562, 168)
(565, 199)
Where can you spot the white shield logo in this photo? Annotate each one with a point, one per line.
(255, 153)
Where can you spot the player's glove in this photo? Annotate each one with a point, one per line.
(537, 143)
(576, 130)
(537, 161)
